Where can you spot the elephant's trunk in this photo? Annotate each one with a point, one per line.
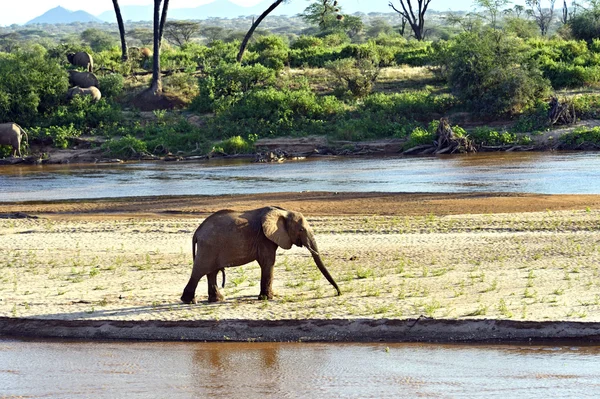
(311, 245)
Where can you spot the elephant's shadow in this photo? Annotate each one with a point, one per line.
(137, 310)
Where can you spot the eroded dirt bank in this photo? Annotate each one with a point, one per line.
(412, 267)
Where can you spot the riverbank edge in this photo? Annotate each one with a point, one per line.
(422, 329)
(279, 149)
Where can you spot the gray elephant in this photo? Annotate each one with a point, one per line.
(84, 91)
(228, 238)
(82, 79)
(81, 59)
(12, 134)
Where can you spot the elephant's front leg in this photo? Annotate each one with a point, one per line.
(267, 263)
(213, 290)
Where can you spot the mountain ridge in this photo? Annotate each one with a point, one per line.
(60, 15)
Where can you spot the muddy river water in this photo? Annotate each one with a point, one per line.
(60, 369)
(543, 173)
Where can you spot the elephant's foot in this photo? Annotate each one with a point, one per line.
(187, 299)
(264, 297)
(216, 298)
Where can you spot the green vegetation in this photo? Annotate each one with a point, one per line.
(350, 80)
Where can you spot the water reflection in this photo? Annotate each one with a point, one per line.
(549, 173)
(287, 370)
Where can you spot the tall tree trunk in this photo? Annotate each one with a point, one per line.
(124, 55)
(253, 28)
(163, 19)
(156, 86)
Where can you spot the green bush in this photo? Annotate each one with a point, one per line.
(356, 76)
(111, 86)
(125, 147)
(587, 106)
(305, 42)
(418, 105)
(31, 84)
(581, 136)
(491, 137)
(60, 136)
(493, 74)
(234, 145)
(276, 112)
(226, 84)
(271, 51)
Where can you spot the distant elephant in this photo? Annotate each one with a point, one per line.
(81, 59)
(82, 79)
(84, 91)
(11, 134)
(228, 238)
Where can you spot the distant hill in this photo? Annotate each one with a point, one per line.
(60, 15)
(227, 9)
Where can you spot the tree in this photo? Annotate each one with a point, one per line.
(212, 33)
(565, 13)
(378, 27)
(124, 55)
(416, 21)
(98, 40)
(541, 16)
(181, 32)
(159, 23)
(144, 35)
(324, 13)
(493, 9)
(253, 28)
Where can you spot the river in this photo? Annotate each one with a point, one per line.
(67, 369)
(543, 173)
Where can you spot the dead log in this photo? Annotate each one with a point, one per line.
(417, 148)
(448, 142)
(561, 113)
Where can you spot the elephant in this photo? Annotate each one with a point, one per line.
(82, 79)
(230, 238)
(87, 91)
(11, 134)
(81, 59)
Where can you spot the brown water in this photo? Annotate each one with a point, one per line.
(544, 173)
(59, 369)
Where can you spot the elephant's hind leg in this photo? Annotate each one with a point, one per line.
(213, 289)
(189, 292)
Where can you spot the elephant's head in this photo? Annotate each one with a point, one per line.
(286, 228)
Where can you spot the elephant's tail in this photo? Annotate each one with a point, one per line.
(194, 242)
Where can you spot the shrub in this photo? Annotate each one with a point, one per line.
(581, 136)
(419, 105)
(111, 85)
(585, 25)
(304, 42)
(354, 75)
(271, 51)
(60, 136)
(488, 136)
(125, 147)
(234, 145)
(31, 84)
(492, 74)
(228, 83)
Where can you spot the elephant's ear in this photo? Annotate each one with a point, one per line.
(273, 224)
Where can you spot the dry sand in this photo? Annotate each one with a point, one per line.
(394, 256)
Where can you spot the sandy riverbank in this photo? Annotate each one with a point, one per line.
(458, 257)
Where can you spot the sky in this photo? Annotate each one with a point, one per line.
(21, 11)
